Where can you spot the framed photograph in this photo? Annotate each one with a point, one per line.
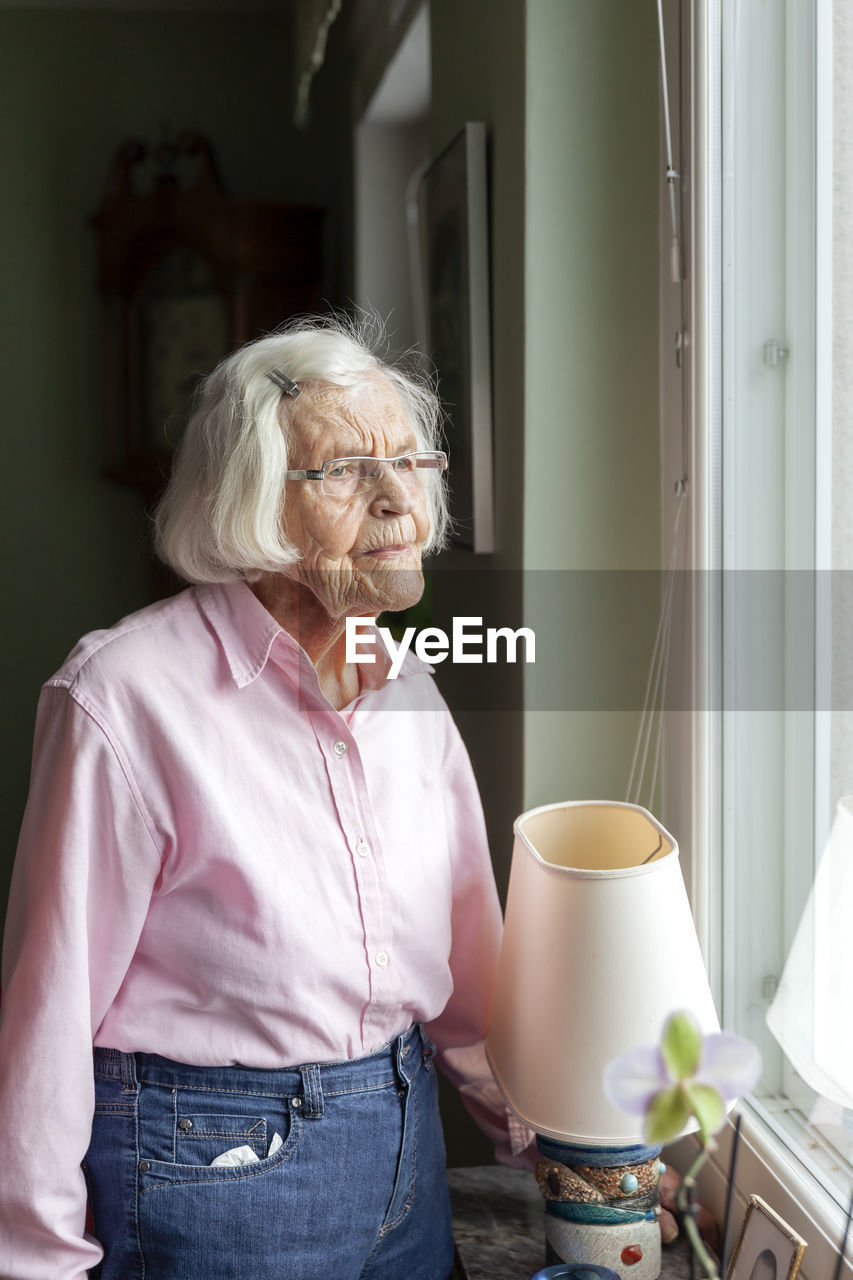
(453, 229)
(767, 1248)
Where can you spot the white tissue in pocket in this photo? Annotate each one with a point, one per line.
(245, 1155)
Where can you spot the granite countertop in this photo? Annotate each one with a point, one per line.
(497, 1223)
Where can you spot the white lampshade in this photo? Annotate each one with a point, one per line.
(599, 949)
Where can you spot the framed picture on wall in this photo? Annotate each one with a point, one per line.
(454, 258)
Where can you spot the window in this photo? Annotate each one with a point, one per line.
(767, 310)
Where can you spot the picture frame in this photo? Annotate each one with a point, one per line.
(766, 1248)
(453, 239)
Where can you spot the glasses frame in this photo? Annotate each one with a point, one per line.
(303, 474)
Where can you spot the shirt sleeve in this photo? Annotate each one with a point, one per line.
(85, 870)
(460, 1030)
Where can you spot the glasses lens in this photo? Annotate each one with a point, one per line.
(345, 477)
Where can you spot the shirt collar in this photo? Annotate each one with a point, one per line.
(246, 632)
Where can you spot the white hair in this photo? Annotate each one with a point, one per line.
(220, 517)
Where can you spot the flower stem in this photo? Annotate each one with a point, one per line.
(685, 1205)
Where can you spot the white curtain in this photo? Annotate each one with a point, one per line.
(811, 1014)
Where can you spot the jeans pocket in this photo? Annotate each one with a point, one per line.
(211, 1222)
(182, 1130)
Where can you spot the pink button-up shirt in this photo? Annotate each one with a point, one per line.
(217, 866)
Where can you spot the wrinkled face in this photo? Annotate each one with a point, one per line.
(362, 554)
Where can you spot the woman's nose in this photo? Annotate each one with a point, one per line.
(392, 494)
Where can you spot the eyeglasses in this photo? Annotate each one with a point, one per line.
(347, 477)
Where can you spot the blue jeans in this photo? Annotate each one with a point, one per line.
(356, 1191)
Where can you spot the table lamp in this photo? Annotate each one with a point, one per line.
(599, 949)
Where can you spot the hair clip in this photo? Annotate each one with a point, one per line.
(287, 385)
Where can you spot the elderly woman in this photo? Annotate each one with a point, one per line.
(252, 874)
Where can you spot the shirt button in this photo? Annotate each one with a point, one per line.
(362, 849)
(340, 748)
(381, 958)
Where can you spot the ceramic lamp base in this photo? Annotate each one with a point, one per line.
(601, 1206)
(605, 1245)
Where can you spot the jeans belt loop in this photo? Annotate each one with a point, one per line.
(312, 1092)
(129, 1081)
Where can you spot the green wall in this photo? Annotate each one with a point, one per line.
(73, 86)
(568, 89)
(591, 470)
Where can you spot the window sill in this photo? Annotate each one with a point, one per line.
(766, 1168)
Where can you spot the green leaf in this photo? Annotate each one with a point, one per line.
(708, 1108)
(681, 1047)
(667, 1115)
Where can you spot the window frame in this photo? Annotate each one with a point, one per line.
(766, 1164)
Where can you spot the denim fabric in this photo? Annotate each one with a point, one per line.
(356, 1191)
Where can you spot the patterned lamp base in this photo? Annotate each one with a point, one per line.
(601, 1206)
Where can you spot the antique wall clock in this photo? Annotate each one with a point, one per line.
(186, 274)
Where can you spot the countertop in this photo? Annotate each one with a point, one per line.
(497, 1223)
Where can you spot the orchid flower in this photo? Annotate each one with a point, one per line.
(686, 1075)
